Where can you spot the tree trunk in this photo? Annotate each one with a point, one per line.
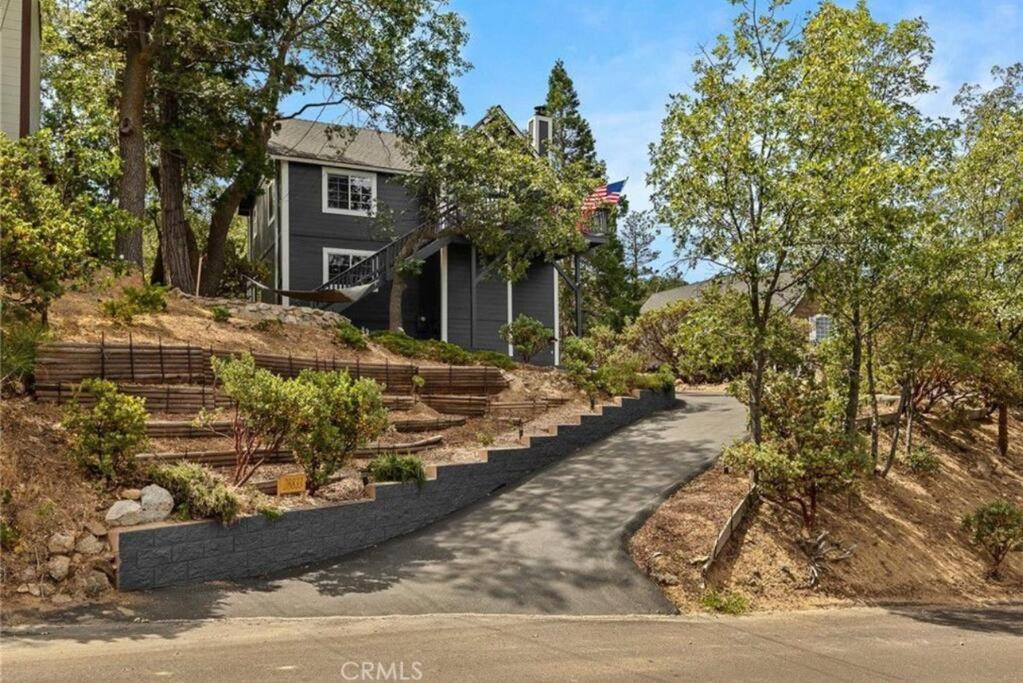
(903, 401)
(872, 390)
(158, 277)
(756, 395)
(177, 241)
(852, 401)
(1003, 429)
(910, 414)
(130, 136)
(224, 210)
(394, 317)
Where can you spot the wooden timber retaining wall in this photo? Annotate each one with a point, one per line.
(165, 554)
(67, 362)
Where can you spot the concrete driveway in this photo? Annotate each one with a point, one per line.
(552, 545)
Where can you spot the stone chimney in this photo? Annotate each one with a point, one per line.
(539, 130)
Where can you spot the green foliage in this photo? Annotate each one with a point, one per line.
(805, 452)
(198, 493)
(922, 460)
(133, 301)
(393, 467)
(662, 380)
(270, 326)
(601, 364)
(348, 335)
(104, 438)
(19, 340)
(725, 602)
(997, 527)
(270, 511)
(418, 384)
(8, 531)
(527, 335)
(220, 314)
(47, 239)
(336, 415)
(485, 437)
(440, 351)
(652, 334)
(714, 341)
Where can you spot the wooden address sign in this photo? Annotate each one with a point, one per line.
(291, 483)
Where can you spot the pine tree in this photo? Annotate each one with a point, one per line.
(572, 140)
(637, 236)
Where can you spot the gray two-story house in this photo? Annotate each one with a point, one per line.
(315, 226)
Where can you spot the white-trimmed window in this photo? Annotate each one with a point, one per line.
(348, 192)
(336, 261)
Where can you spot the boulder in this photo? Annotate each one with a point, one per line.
(95, 528)
(89, 544)
(58, 567)
(95, 583)
(131, 494)
(29, 574)
(23, 588)
(157, 503)
(61, 542)
(61, 599)
(124, 513)
(34, 590)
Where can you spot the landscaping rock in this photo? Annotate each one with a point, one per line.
(102, 564)
(60, 599)
(46, 588)
(29, 574)
(157, 503)
(665, 578)
(58, 567)
(61, 542)
(33, 589)
(131, 494)
(95, 528)
(23, 588)
(89, 544)
(95, 583)
(124, 513)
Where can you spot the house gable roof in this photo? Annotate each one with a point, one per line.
(332, 144)
(790, 297)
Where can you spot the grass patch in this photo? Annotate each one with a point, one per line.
(347, 334)
(220, 314)
(394, 467)
(136, 301)
(725, 602)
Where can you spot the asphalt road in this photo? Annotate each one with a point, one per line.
(552, 545)
(839, 645)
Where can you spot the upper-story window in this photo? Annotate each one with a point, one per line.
(349, 192)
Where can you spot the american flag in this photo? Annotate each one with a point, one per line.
(605, 194)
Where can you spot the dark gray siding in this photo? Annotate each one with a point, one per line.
(491, 305)
(311, 229)
(533, 295)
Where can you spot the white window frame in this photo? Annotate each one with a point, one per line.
(327, 171)
(328, 251)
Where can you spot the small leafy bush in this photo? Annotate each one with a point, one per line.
(347, 334)
(394, 467)
(105, 437)
(485, 437)
(220, 314)
(338, 414)
(662, 380)
(997, 527)
(725, 602)
(136, 301)
(528, 335)
(271, 511)
(270, 325)
(197, 492)
(921, 460)
(494, 358)
(18, 343)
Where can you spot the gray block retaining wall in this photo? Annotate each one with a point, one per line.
(167, 554)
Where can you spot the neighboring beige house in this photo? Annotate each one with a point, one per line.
(20, 35)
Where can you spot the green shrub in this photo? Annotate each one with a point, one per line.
(220, 314)
(662, 380)
(997, 527)
(439, 351)
(921, 460)
(270, 325)
(271, 511)
(394, 467)
(338, 415)
(136, 301)
(197, 492)
(18, 343)
(347, 334)
(418, 384)
(528, 335)
(485, 437)
(726, 602)
(105, 437)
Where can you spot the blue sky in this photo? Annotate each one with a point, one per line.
(626, 58)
